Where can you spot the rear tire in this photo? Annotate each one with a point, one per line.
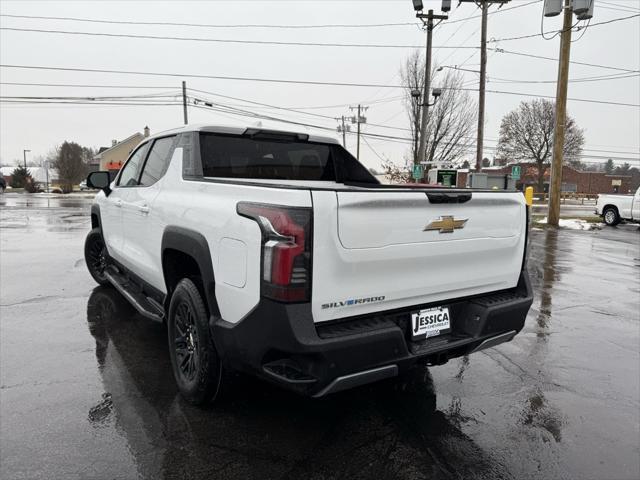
(611, 216)
(96, 257)
(196, 365)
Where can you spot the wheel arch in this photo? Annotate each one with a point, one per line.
(182, 250)
(610, 206)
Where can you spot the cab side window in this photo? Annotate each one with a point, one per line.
(129, 175)
(157, 161)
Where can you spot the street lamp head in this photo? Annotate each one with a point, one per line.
(417, 5)
(415, 93)
(446, 5)
(436, 92)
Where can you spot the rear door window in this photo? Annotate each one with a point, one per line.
(157, 161)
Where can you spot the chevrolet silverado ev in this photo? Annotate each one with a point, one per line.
(278, 254)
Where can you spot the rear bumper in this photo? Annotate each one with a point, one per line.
(280, 342)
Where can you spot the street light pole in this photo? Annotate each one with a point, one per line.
(24, 156)
(430, 17)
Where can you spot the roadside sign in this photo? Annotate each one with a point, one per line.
(417, 172)
(515, 172)
(447, 178)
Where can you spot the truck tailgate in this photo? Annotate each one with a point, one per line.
(381, 250)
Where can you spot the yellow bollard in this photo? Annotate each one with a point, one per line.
(528, 195)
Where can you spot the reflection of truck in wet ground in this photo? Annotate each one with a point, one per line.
(616, 208)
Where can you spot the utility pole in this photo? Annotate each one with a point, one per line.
(358, 120)
(555, 181)
(184, 102)
(430, 17)
(46, 169)
(24, 157)
(483, 80)
(484, 5)
(344, 128)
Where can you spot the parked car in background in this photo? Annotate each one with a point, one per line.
(83, 186)
(616, 208)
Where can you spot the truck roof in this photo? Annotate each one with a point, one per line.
(235, 130)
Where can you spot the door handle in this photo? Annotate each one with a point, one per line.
(144, 209)
(118, 203)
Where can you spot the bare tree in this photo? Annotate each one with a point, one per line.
(451, 120)
(394, 173)
(526, 134)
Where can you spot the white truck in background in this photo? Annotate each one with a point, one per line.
(616, 208)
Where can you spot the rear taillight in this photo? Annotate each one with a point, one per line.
(286, 249)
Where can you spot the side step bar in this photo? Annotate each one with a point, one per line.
(147, 307)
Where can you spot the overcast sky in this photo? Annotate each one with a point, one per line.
(610, 130)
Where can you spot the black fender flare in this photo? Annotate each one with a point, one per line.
(95, 213)
(194, 244)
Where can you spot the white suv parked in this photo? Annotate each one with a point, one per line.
(277, 253)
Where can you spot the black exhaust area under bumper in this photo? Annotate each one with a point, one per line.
(280, 342)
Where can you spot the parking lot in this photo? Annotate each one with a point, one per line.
(86, 388)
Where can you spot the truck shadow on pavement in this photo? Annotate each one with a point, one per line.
(387, 430)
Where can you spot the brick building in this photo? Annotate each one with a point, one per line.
(573, 180)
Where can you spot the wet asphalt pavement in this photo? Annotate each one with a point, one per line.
(86, 389)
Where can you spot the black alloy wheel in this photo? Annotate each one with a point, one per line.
(186, 342)
(197, 368)
(96, 256)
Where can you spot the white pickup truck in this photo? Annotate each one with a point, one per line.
(277, 253)
(615, 208)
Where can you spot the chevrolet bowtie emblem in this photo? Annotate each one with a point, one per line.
(446, 224)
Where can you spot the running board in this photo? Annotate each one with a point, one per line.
(147, 307)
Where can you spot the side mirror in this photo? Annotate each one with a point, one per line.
(99, 180)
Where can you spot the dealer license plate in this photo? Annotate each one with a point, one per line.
(430, 322)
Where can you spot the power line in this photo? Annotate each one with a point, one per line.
(599, 78)
(97, 98)
(542, 34)
(79, 102)
(501, 10)
(617, 6)
(222, 40)
(540, 57)
(214, 25)
(366, 142)
(214, 77)
(368, 123)
(286, 81)
(76, 85)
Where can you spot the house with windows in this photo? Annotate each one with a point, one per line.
(112, 158)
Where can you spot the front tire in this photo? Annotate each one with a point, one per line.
(611, 216)
(96, 257)
(196, 365)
